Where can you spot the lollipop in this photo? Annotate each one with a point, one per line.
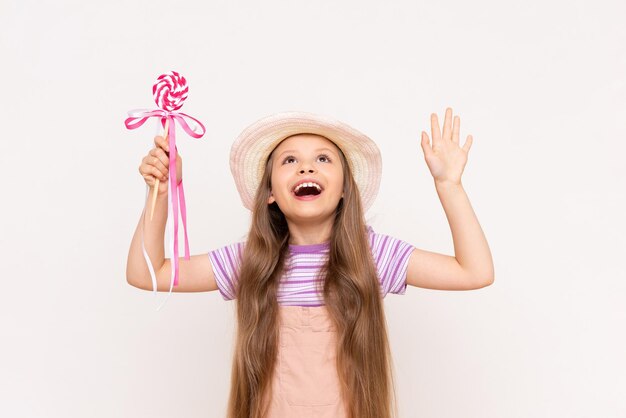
(170, 92)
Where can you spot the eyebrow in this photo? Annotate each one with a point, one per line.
(317, 150)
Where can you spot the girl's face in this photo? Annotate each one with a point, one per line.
(307, 178)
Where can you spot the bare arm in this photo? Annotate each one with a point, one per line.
(471, 267)
(472, 264)
(137, 273)
(195, 274)
(470, 245)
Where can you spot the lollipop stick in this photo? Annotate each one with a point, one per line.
(156, 184)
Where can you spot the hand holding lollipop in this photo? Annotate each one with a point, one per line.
(170, 92)
(155, 166)
(155, 190)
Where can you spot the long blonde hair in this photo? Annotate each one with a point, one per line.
(352, 297)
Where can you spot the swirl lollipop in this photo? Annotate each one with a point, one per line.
(170, 92)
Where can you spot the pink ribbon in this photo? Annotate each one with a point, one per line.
(137, 118)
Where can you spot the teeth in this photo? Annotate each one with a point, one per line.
(310, 184)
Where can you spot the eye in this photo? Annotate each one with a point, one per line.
(324, 158)
(289, 159)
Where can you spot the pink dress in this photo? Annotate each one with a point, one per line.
(305, 382)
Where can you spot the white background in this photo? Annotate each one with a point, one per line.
(541, 86)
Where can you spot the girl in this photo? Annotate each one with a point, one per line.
(310, 278)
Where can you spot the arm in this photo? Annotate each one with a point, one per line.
(470, 245)
(472, 265)
(196, 274)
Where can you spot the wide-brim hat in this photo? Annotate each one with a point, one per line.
(250, 151)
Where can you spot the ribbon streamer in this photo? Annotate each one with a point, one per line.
(195, 129)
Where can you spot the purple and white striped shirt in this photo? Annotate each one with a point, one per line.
(298, 284)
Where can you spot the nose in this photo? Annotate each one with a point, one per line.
(306, 166)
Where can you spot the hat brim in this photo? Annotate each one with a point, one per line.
(251, 149)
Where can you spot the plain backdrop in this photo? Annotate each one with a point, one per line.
(541, 86)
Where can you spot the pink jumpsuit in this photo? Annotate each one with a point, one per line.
(305, 383)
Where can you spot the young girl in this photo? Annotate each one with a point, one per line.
(310, 278)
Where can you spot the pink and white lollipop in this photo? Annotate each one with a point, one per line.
(170, 92)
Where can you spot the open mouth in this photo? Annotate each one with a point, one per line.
(307, 189)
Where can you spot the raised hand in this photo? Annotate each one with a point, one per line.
(445, 158)
(156, 165)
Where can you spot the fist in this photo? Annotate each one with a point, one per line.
(156, 164)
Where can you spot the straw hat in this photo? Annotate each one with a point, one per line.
(249, 152)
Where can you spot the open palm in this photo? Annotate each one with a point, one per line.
(445, 158)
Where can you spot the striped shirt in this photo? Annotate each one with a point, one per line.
(298, 285)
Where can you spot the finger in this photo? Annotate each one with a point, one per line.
(447, 124)
(455, 129)
(468, 143)
(157, 173)
(426, 144)
(150, 180)
(434, 129)
(159, 167)
(160, 159)
(161, 142)
(149, 168)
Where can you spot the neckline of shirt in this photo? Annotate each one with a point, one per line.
(308, 248)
